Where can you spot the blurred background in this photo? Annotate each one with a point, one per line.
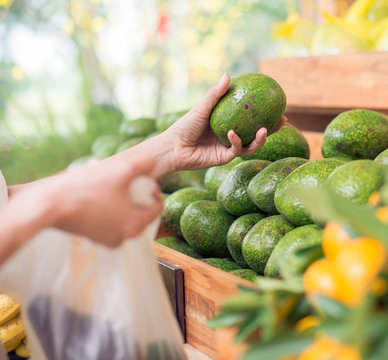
(74, 74)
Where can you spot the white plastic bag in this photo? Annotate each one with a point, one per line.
(84, 301)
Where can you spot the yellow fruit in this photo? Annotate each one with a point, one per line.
(306, 323)
(374, 199)
(334, 236)
(8, 308)
(382, 214)
(22, 351)
(12, 333)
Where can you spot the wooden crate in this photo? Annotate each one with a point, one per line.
(319, 88)
(206, 289)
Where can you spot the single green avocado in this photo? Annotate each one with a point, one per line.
(166, 120)
(246, 274)
(105, 145)
(358, 134)
(382, 157)
(288, 141)
(179, 180)
(236, 235)
(129, 143)
(307, 176)
(216, 174)
(262, 239)
(357, 180)
(232, 193)
(178, 245)
(262, 187)
(284, 258)
(223, 264)
(176, 204)
(137, 128)
(204, 225)
(252, 101)
(103, 119)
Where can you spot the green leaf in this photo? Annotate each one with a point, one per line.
(249, 326)
(332, 308)
(288, 344)
(246, 302)
(293, 285)
(226, 319)
(380, 351)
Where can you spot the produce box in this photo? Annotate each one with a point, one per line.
(206, 288)
(320, 87)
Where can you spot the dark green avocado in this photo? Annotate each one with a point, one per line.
(223, 264)
(204, 225)
(262, 239)
(216, 174)
(307, 176)
(236, 235)
(284, 258)
(357, 180)
(288, 141)
(176, 204)
(105, 145)
(137, 128)
(179, 180)
(358, 134)
(178, 245)
(232, 193)
(246, 274)
(261, 188)
(252, 101)
(166, 120)
(382, 157)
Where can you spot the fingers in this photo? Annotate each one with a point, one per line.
(206, 105)
(257, 143)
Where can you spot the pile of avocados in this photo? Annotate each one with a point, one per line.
(244, 217)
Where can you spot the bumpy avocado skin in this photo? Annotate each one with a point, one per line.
(262, 239)
(179, 180)
(232, 193)
(216, 174)
(223, 264)
(178, 245)
(288, 141)
(359, 134)
(204, 225)
(236, 235)
(284, 256)
(176, 204)
(246, 274)
(252, 101)
(307, 176)
(382, 157)
(357, 180)
(137, 128)
(262, 187)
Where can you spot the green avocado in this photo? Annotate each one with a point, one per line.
(358, 134)
(236, 235)
(179, 180)
(216, 174)
(307, 176)
(223, 264)
(103, 119)
(232, 193)
(176, 204)
(204, 225)
(288, 141)
(252, 101)
(137, 128)
(105, 145)
(285, 257)
(262, 239)
(129, 143)
(178, 245)
(262, 187)
(166, 120)
(357, 180)
(382, 157)
(246, 274)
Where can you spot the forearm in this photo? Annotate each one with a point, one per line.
(20, 221)
(161, 147)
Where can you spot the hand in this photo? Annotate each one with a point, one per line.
(196, 146)
(93, 200)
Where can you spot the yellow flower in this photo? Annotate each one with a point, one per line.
(17, 72)
(6, 3)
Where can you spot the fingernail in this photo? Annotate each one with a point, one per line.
(221, 79)
(263, 131)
